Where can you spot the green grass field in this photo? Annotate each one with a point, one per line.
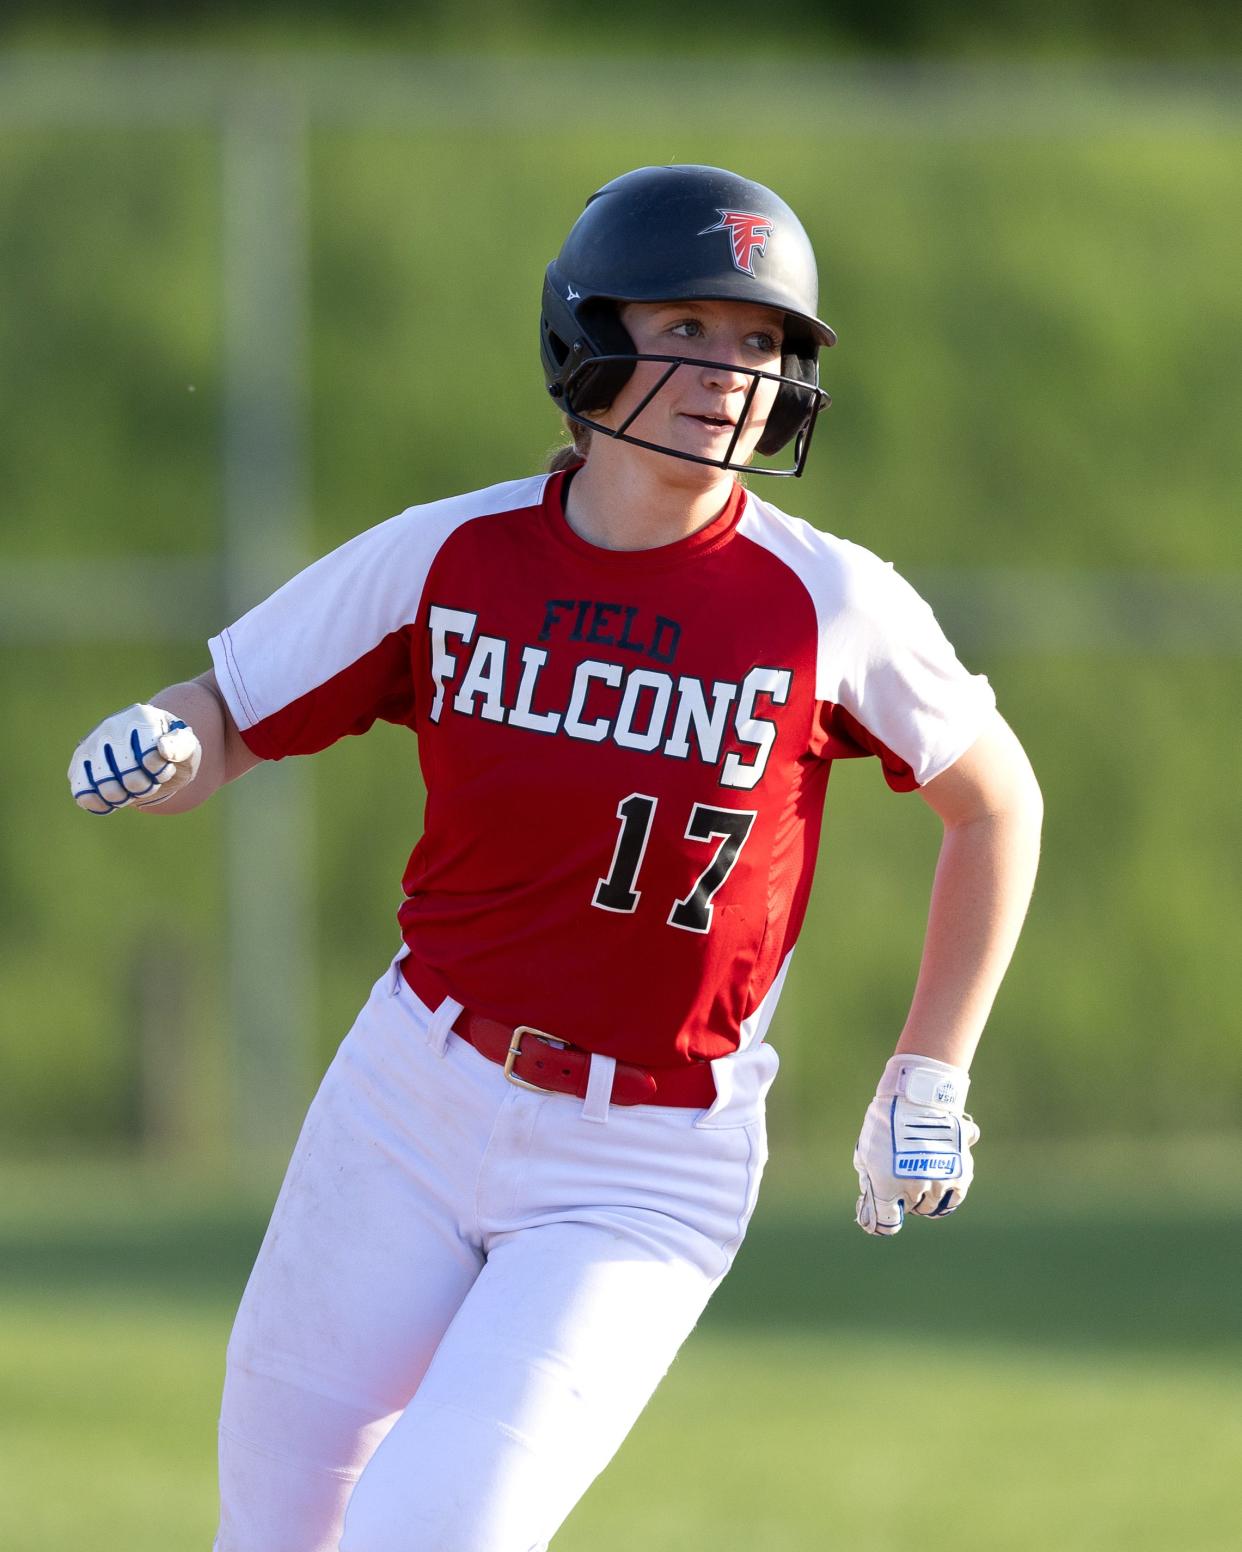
(1057, 1368)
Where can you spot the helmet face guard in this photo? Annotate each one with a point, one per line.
(682, 234)
(810, 399)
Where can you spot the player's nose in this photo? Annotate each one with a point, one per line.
(724, 375)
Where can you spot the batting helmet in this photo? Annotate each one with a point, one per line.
(679, 234)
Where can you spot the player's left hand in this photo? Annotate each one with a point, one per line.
(913, 1153)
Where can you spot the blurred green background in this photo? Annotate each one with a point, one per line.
(264, 282)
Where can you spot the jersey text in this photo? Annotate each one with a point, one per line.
(647, 709)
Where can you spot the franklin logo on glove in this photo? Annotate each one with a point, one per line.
(932, 1165)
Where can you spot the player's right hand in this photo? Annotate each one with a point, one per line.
(133, 759)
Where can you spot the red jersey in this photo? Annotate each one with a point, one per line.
(625, 752)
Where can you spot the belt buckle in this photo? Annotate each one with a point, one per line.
(515, 1050)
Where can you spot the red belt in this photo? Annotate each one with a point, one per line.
(533, 1059)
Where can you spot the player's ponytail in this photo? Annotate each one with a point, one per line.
(567, 454)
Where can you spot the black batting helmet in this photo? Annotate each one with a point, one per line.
(678, 234)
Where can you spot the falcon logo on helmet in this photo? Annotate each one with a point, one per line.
(749, 233)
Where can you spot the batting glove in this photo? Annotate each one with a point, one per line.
(134, 759)
(914, 1149)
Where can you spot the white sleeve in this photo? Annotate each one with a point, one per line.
(311, 632)
(885, 660)
(330, 651)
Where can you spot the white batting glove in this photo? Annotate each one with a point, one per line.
(133, 759)
(914, 1149)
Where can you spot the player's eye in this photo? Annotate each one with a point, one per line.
(688, 328)
(765, 344)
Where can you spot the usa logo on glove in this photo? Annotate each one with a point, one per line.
(913, 1152)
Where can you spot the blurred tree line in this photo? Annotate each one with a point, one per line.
(1199, 31)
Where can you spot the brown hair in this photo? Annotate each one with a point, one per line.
(569, 453)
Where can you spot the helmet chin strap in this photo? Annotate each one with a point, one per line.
(621, 433)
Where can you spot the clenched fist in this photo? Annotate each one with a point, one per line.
(133, 759)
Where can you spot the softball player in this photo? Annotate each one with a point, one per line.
(536, 1152)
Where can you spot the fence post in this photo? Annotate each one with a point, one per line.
(269, 828)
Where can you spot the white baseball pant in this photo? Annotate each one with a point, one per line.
(468, 1292)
